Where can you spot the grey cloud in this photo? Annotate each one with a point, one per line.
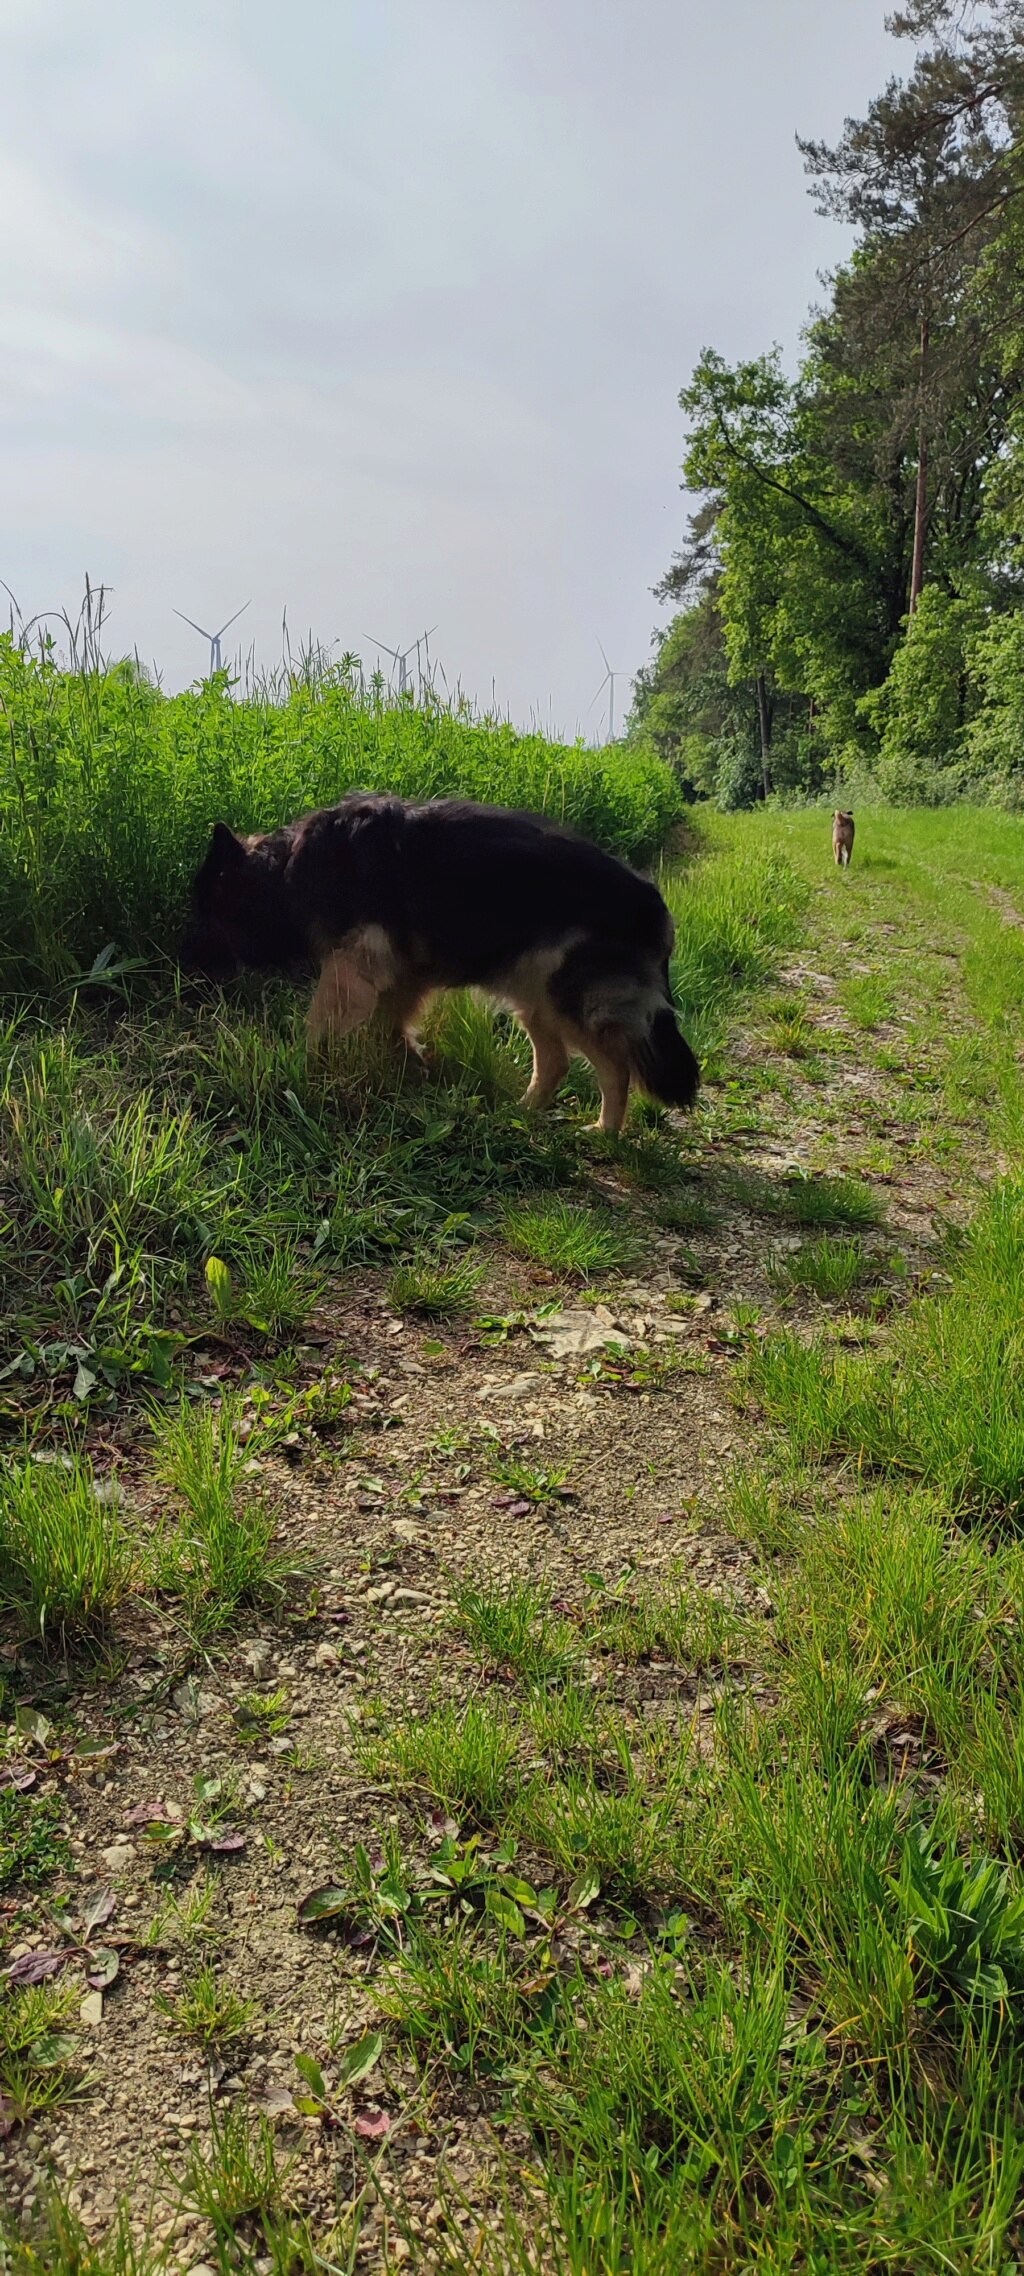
(380, 308)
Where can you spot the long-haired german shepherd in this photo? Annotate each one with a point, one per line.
(395, 900)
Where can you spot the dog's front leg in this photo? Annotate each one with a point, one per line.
(344, 999)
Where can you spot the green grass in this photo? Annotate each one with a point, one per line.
(626, 1833)
(206, 2009)
(792, 1031)
(41, 2064)
(867, 1000)
(736, 910)
(700, 1887)
(234, 2180)
(830, 1268)
(32, 1846)
(805, 1201)
(462, 1757)
(189, 1920)
(511, 1624)
(532, 1482)
(676, 1622)
(440, 1285)
(57, 2243)
(66, 1560)
(217, 1557)
(566, 1238)
(943, 1399)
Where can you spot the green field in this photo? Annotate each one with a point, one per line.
(526, 1803)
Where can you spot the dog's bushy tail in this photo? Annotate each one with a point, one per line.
(662, 1061)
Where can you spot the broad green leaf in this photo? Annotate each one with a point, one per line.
(505, 1913)
(313, 2075)
(361, 2059)
(324, 1904)
(54, 2047)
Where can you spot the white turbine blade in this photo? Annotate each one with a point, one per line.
(233, 619)
(605, 662)
(383, 646)
(594, 699)
(200, 628)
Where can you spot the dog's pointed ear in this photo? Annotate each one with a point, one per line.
(226, 851)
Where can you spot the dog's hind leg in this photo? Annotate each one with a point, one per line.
(344, 999)
(550, 1056)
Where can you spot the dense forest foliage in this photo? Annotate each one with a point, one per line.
(851, 591)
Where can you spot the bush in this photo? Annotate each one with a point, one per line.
(919, 713)
(739, 781)
(995, 736)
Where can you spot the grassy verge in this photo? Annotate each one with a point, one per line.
(678, 1873)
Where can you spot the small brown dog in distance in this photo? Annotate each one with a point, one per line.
(842, 837)
(392, 900)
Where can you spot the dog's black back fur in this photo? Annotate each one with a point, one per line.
(475, 886)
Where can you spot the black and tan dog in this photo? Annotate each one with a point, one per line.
(395, 900)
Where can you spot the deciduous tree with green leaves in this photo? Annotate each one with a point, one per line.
(891, 464)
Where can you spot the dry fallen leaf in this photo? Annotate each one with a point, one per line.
(34, 1967)
(276, 2102)
(372, 2125)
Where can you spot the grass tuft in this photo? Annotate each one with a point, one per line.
(830, 1268)
(566, 1237)
(66, 1560)
(218, 1556)
(808, 1200)
(55, 2242)
(511, 1625)
(440, 1285)
(463, 1757)
(208, 2010)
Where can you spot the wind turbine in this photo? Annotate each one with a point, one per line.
(401, 655)
(214, 638)
(608, 682)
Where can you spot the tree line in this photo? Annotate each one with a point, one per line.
(850, 593)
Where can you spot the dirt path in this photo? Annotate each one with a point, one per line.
(642, 1429)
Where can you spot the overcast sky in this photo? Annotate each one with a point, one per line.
(380, 308)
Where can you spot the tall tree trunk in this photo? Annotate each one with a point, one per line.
(921, 499)
(764, 725)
